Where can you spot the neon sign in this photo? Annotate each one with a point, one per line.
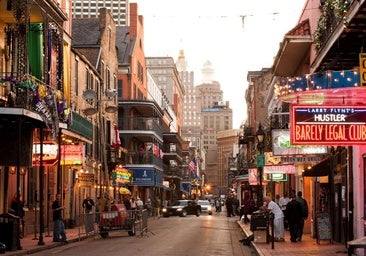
(328, 125)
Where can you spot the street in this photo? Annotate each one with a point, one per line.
(204, 235)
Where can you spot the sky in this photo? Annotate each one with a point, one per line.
(236, 36)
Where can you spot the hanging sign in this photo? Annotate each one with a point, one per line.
(336, 125)
(362, 58)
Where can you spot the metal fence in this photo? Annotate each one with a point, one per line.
(134, 222)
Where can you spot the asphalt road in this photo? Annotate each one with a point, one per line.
(173, 236)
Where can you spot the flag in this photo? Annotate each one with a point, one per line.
(192, 164)
(116, 141)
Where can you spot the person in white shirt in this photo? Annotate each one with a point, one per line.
(279, 230)
(282, 202)
(139, 204)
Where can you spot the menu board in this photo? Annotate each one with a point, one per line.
(324, 229)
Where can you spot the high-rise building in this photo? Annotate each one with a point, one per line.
(90, 9)
(165, 73)
(191, 128)
(216, 115)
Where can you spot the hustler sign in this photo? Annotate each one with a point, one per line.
(328, 125)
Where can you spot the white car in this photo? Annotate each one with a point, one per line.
(205, 206)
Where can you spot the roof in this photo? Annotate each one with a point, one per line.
(86, 32)
(293, 49)
(124, 44)
(86, 38)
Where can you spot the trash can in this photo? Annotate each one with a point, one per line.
(259, 220)
(9, 231)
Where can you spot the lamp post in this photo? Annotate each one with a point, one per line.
(260, 161)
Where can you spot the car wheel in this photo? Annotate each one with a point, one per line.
(184, 214)
(198, 213)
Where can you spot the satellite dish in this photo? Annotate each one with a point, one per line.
(111, 109)
(90, 111)
(89, 95)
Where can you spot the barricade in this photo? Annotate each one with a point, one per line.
(118, 219)
(141, 221)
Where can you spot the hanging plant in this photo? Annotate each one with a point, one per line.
(333, 12)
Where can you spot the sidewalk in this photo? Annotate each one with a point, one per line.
(308, 246)
(30, 245)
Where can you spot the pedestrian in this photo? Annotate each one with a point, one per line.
(293, 216)
(248, 207)
(282, 202)
(157, 204)
(270, 206)
(139, 204)
(17, 207)
(88, 205)
(229, 206)
(127, 202)
(305, 213)
(58, 224)
(148, 207)
(133, 203)
(103, 203)
(217, 205)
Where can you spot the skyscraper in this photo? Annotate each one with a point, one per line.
(90, 9)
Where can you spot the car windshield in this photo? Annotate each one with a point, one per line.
(177, 203)
(203, 203)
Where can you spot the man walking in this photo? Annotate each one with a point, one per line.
(293, 216)
(305, 212)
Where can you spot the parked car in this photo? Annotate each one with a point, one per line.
(205, 206)
(182, 208)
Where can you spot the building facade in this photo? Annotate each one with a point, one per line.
(90, 9)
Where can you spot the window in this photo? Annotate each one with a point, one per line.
(76, 76)
(120, 88)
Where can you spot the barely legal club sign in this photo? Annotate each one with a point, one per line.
(328, 125)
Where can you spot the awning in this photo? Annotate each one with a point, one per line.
(320, 169)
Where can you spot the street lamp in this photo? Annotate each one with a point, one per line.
(260, 161)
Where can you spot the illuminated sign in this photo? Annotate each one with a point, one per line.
(72, 154)
(289, 169)
(49, 156)
(328, 125)
(362, 59)
(278, 177)
(281, 145)
(86, 178)
(123, 176)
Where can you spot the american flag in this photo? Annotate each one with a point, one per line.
(192, 164)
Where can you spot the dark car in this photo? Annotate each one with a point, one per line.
(182, 208)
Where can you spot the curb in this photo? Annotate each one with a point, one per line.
(256, 249)
(48, 246)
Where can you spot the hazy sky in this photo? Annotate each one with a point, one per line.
(236, 36)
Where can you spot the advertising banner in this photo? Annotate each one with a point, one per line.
(336, 125)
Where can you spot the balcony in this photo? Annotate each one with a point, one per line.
(33, 95)
(142, 127)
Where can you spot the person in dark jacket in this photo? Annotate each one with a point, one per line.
(293, 216)
(58, 224)
(305, 212)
